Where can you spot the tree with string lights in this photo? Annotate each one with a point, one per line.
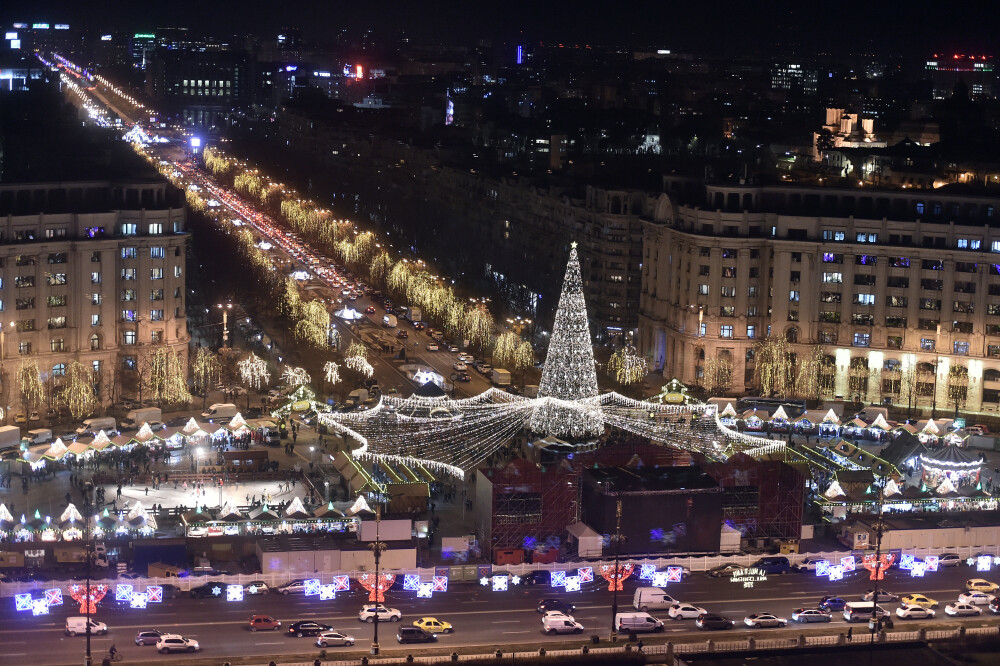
(29, 384)
(254, 374)
(78, 391)
(773, 367)
(167, 377)
(569, 373)
(627, 367)
(205, 370)
(294, 376)
(313, 325)
(356, 359)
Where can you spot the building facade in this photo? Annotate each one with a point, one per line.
(895, 293)
(92, 272)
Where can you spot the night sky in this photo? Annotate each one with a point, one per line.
(915, 27)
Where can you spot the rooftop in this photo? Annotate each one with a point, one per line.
(646, 480)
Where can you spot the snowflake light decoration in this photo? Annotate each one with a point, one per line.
(822, 568)
(124, 592)
(647, 571)
(39, 607)
(327, 592)
(984, 563)
(484, 581)
(312, 587)
(411, 582)
(557, 579)
(675, 574)
(836, 572)
(906, 561)
(849, 563)
(54, 597)
(425, 590)
(342, 583)
(138, 600)
(515, 580)
(234, 593)
(440, 583)
(661, 579)
(918, 569)
(932, 562)
(586, 574)
(572, 583)
(23, 602)
(499, 583)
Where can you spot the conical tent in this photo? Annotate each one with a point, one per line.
(569, 373)
(71, 514)
(191, 427)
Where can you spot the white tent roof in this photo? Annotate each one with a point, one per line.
(581, 530)
(5, 513)
(71, 512)
(831, 417)
(295, 506)
(779, 413)
(729, 410)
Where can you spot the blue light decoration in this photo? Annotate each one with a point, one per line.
(932, 562)
(425, 590)
(154, 594)
(23, 602)
(918, 569)
(572, 583)
(234, 593)
(558, 579)
(312, 587)
(647, 571)
(660, 579)
(822, 568)
(906, 562)
(520, 54)
(124, 592)
(657, 535)
(39, 607)
(849, 563)
(499, 583)
(327, 592)
(836, 572)
(342, 583)
(139, 599)
(440, 583)
(530, 542)
(54, 597)
(675, 574)
(411, 582)
(586, 574)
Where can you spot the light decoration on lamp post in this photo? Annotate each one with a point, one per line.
(294, 376)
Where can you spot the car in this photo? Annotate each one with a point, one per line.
(333, 638)
(156, 426)
(883, 595)
(297, 586)
(20, 418)
(975, 598)
(980, 585)
(149, 637)
(918, 600)
(370, 309)
(367, 614)
(419, 325)
(959, 609)
(34, 416)
(177, 422)
(414, 635)
(725, 569)
(432, 346)
(914, 612)
(832, 603)
(460, 367)
(453, 348)
(210, 589)
(557, 623)
(463, 377)
(949, 560)
(808, 564)
(685, 612)
(307, 628)
(264, 623)
(466, 357)
(485, 368)
(434, 625)
(401, 334)
(758, 620)
(709, 621)
(558, 605)
(176, 643)
(994, 605)
(804, 615)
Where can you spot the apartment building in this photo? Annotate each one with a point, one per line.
(90, 271)
(898, 290)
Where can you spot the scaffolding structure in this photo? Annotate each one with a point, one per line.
(761, 498)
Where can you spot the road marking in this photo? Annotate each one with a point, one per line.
(271, 643)
(515, 632)
(505, 621)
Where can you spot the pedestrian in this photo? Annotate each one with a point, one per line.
(147, 491)
(639, 645)
(850, 634)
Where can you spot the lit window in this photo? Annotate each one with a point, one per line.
(129, 253)
(703, 289)
(793, 296)
(726, 331)
(156, 253)
(155, 273)
(751, 332)
(861, 339)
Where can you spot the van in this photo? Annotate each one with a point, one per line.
(40, 436)
(638, 622)
(861, 611)
(220, 410)
(775, 564)
(651, 597)
(77, 624)
(137, 417)
(95, 425)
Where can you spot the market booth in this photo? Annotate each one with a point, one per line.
(951, 467)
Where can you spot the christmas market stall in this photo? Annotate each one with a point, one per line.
(952, 467)
(830, 425)
(71, 522)
(139, 521)
(195, 522)
(228, 521)
(753, 419)
(728, 416)
(779, 420)
(262, 520)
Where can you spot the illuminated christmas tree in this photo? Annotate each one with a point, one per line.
(569, 373)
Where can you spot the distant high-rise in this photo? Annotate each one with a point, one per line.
(975, 71)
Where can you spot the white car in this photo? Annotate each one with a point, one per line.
(808, 564)
(460, 367)
(684, 612)
(367, 614)
(975, 598)
(557, 623)
(913, 612)
(432, 346)
(333, 638)
(959, 608)
(176, 643)
(557, 615)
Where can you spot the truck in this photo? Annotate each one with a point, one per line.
(389, 321)
(39, 436)
(95, 425)
(414, 314)
(135, 418)
(78, 555)
(10, 438)
(220, 410)
(161, 570)
(501, 377)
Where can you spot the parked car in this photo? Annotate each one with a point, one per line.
(334, 638)
(994, 606)
(975, 598)
(176, 643)
(434, 625)
(960, 609)
(832, 603)
(684, 612)
(211, 589)
(297, 586)
(883, 596)
(414, 635)
(306, 628)
(558, 605)
(367, 614)
(264, 623)
(804, 615)
(432, 346)
(538, 577)
(725, 569)
(808, 564)
(949, 560)
(758, 620)
(914, 612)
(710, 621)
(149, 637)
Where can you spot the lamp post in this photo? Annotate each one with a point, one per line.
(617, 538)
(377, 547)
(88, 553)
(225, 307)
(937, 362)
(876, 622)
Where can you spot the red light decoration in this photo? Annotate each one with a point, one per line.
(376, 593)
(878, 572)
(79, 594)
(615, 581)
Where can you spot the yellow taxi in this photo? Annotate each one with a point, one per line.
(433, 625)
(980, 585)
(919, 600)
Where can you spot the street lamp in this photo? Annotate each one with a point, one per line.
(937, 363)
(617, 537)
(225, 307)
(377, 547)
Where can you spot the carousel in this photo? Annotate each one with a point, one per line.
(952, 467)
